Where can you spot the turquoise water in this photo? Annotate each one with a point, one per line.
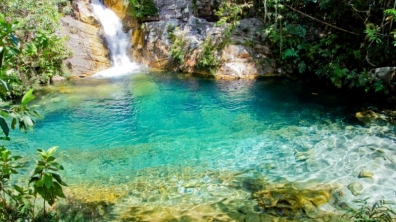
(177, 130)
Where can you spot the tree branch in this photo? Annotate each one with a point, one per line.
(325, 23)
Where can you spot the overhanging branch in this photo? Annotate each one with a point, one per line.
(318, 20)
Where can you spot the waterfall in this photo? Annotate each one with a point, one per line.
(117, 42)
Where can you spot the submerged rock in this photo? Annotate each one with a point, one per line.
(366, 174)
(355, 188)
(367, 116)
(289, 201)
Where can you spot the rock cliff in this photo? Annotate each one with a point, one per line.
(154, 41)
(183, 37)
(83, 37)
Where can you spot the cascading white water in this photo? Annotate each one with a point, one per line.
(117, 41)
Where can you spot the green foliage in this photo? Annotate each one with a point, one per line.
(339, 41)
(9, 48)
(15, 200)
(32, 52)
(179, 42)
(391, 17)
(143, 8)
(20, 114)
(229, 14)
(45, 178)
(208, 56)
(372, 32)
(378, 212)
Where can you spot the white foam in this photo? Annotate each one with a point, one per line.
(117, 42)
(117, 71)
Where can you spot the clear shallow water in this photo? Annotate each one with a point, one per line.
(159, 140)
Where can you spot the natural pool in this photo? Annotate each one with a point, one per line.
(160, 146)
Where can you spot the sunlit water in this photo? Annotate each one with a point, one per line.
(165, 139)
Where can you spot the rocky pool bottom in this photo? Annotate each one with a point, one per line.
(172, 147)
(322, 192)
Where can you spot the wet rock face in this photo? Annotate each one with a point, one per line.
(117, 6)
(245, 56)
(122, 8)
(89, 54)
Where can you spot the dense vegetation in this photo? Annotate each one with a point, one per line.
(31, 52)
(18, 201)
(338, 41)
(143, 9)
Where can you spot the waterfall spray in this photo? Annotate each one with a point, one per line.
(117, 42)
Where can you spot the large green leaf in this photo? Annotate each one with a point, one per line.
(28, 97)
(34, 179)
(13, 123)
(58, 178)
(4, 84)
(57, 166)
(18, 188)
(4, 126)
(51, 150)
(40, 182)
(47, 180)
(58, 190)
(38, 169)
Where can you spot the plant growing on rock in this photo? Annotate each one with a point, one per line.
(208, 56)
(178, 47)
(143, 8)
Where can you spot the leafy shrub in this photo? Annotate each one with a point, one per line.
(39, 52)
(16, 201)
(336, 41)
(208, 56)
(143, 8)
(178, 47)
